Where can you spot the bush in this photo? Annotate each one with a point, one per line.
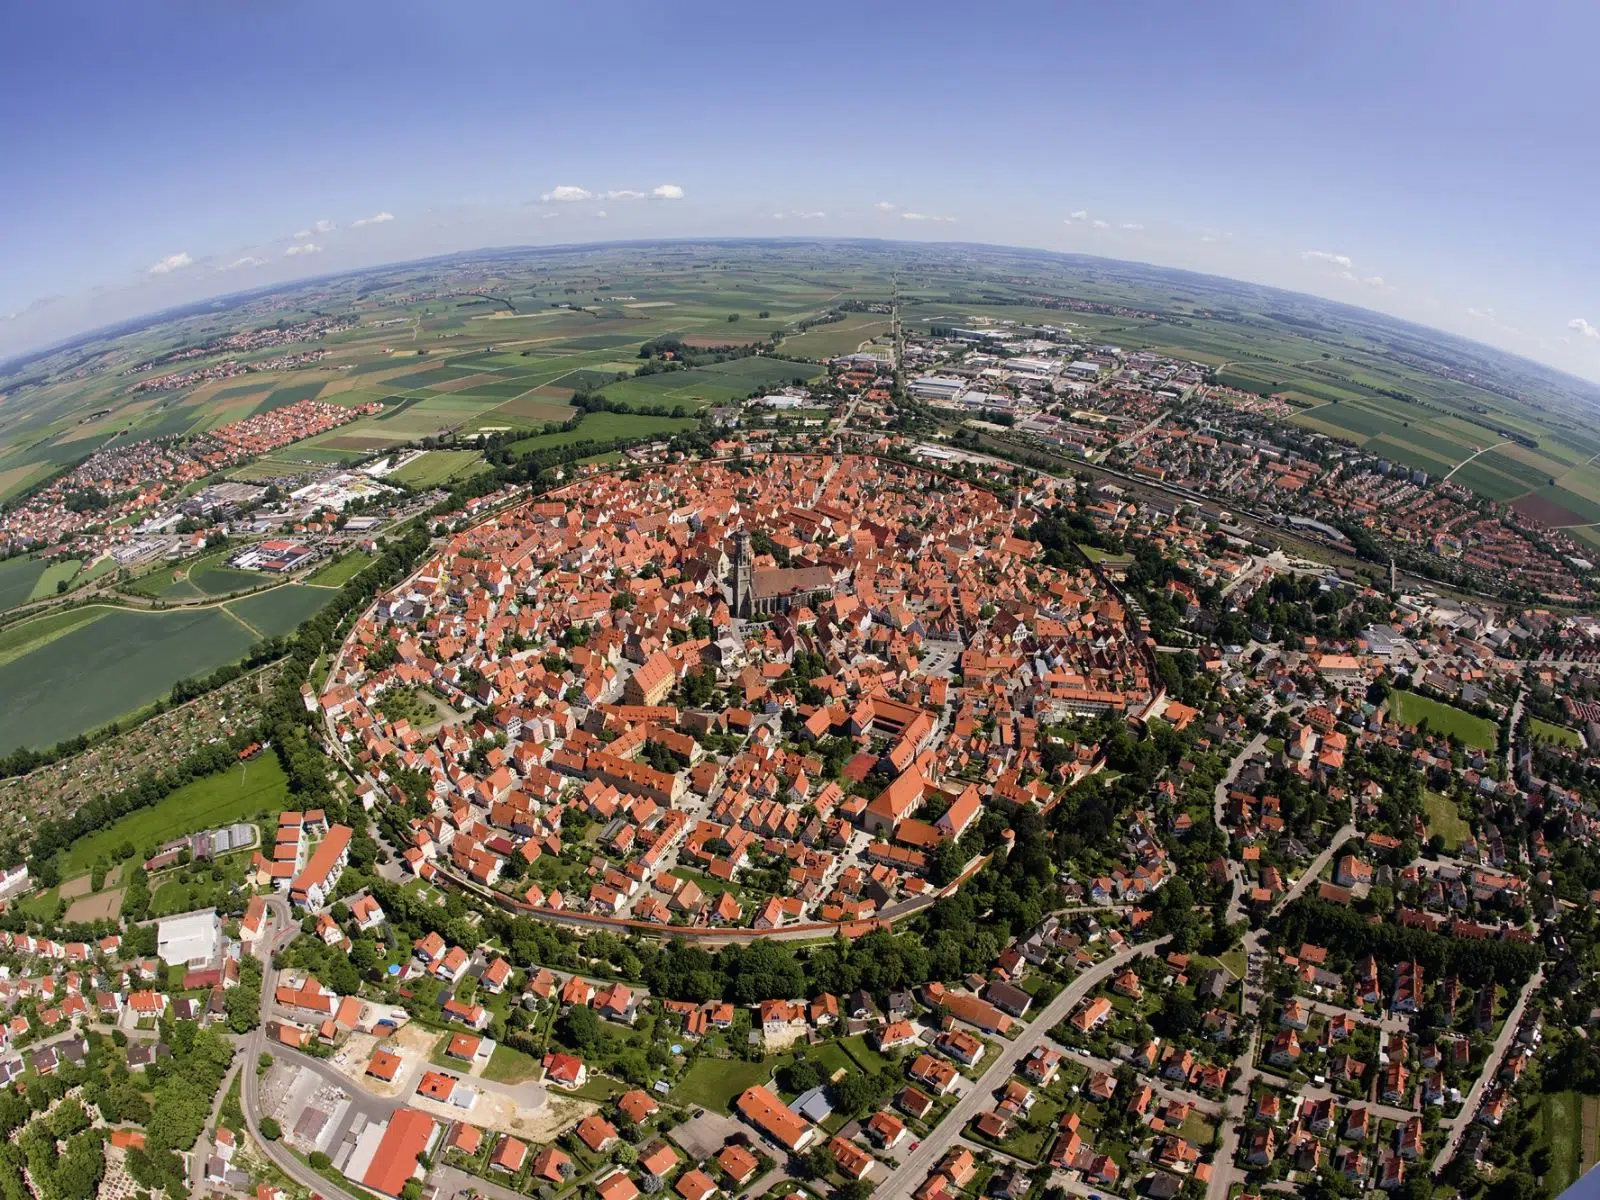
(270, 1129)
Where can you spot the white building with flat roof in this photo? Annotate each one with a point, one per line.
(193, 938)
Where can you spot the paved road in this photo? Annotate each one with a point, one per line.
(1219, 808)
(914, 1168)
(281, 930)
(1511, 740)
(1458, 1124)
(1318, 864)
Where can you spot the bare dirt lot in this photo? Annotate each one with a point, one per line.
(100, 907)
(73, 888)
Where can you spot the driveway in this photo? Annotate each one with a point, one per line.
(702, 1136)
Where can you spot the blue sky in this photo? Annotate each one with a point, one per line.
(1439, 161)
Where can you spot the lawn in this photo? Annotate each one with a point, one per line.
(1444, 819)
(113, 663)
(1543, 731)
(507, 1065)
(232, 795)
(1559, 1126)
(715, 1083)
(435, 467)
(340, 571)
(1408, 708)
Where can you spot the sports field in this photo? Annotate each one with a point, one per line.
(1408, 708)
(237, 794)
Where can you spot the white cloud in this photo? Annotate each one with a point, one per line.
(600, 213)
(1132, 226)
(777, 216)
(249, 260)
(884, 206)
(810, 216)
(916, 216)
(1376, 282)
(32, 306)
(302, 233)
(1099, 224)
(324, 226)
(566, 194)
(1483, 314)
(1077, 218)
(622, 194)
(667, 191)
(303, 248)
(1323, 256)
(172, 262)
(376, 219)
(1582, 326)
(548, 216)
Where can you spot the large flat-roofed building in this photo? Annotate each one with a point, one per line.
(937, 387)
(192, 938)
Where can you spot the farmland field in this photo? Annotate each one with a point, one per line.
(18, 578)
(718, 383)
(1408, 708)
(107, 666)
(236, 794)
(204, 576)
(435, 467)
(823, 342)
(279, 611)
(25, 636)
(604, 427)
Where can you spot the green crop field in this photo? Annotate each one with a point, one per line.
(823, 342)
(718, 383)
(603, 427)
(434, 467)
(25, 636)
(1408, 708)
(280, 611)
(107, 667)
(237, 794)
(18, 579)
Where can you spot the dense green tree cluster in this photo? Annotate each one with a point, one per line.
(1349, 933)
